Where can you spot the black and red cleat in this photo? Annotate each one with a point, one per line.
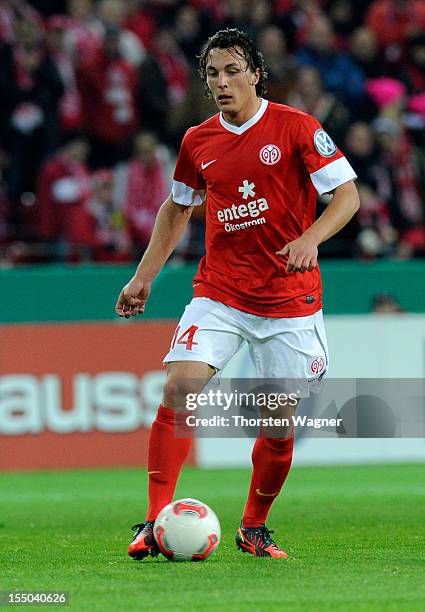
(143, 543)
(258, 542)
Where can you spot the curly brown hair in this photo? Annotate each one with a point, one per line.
(243, 47)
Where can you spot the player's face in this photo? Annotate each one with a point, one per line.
(232, 82)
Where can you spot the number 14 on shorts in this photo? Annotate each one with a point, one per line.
(186, 338)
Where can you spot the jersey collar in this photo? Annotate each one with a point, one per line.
(240, 129)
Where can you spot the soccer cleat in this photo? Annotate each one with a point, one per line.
(143, 543)
(258, 542)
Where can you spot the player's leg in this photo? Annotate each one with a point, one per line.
(271, 461)
(170, 439)
(205, 340)
(290, 349)
(169, 445)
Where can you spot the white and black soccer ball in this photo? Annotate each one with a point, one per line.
(187, 530)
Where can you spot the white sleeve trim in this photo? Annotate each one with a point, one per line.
(333, 175)
(182, 194)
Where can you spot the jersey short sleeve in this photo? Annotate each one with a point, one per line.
(188, 184)
(326, 165)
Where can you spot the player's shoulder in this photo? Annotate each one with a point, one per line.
(199, 130)
(296, 124)
(288, 113)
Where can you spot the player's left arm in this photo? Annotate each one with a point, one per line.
(302, 252)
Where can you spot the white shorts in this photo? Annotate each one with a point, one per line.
(212, 332)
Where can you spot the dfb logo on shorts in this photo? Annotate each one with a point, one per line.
(324, 143)
(270, 154)
(317, 365)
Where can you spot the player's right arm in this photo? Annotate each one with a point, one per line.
(170, 224)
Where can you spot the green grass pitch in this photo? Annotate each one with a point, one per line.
(355, 536)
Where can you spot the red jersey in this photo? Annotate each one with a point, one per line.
(260, 181)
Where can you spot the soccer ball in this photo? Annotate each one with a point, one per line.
(187, 530)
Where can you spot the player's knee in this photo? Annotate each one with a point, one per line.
(170, 392)
(176, 391)
(278, 431)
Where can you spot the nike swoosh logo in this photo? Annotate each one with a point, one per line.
(154, 472)
(205, 165)
(258, 491)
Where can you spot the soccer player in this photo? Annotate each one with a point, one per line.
(258, 165)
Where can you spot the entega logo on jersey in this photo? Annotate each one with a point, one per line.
(239, 211)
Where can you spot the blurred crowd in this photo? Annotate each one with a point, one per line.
(96, 95)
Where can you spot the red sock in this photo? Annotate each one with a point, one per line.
(271, 460)
(165, 458)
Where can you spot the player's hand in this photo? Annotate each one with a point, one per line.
(133, 298)
(302, 254)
